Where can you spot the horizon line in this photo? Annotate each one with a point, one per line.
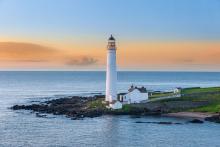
(105, 71)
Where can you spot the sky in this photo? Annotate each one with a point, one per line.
(151, 35)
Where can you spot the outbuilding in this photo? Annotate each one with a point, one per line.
(115, 104)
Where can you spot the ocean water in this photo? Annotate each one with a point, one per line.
(23, 128)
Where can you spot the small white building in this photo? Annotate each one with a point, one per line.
(115, 104)
(177, 90)
(134, 95)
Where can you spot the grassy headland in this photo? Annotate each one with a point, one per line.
(210, 95)
(161, 94)
(192, 100)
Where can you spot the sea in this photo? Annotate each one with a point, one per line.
(23, 129)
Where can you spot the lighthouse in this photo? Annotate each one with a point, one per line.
(111, 71)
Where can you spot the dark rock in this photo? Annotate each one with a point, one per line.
(214, 118)
(16, 107)
(41, 115)
(135, 116)
(74, 107)
(162, 123)
(35, 101)
(99, 96)
(196, 121)
(76, 118)
(165, 123)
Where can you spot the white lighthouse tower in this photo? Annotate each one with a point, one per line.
(111, 71)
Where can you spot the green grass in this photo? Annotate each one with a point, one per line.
(210, 97)
(97, 104)
(131, 108)
(158, 95)
(215, 108)
(200, 90)
(127, 108)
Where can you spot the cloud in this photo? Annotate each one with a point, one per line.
(31, 60)
(84, 61)
(20, 60)
(34, 55)
(25, 52)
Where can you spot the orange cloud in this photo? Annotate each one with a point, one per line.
(25, 52)
(15, 54)
(84, 61)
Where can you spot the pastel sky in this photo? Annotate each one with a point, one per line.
(177, 35)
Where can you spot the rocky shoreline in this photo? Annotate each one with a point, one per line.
(78, 107)
(75, 107)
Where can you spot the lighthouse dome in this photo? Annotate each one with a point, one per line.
(111, 38)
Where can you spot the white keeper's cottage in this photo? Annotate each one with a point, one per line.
(135, 95)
